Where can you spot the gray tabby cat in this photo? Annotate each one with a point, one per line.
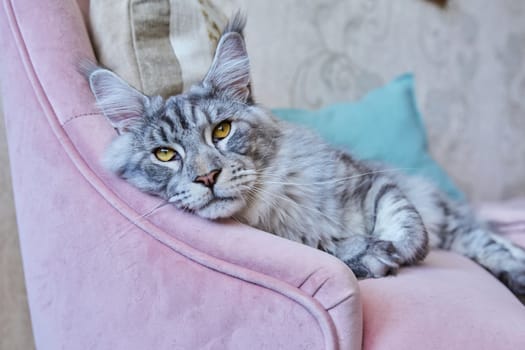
(212, 151)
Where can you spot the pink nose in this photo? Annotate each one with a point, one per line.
(209, 179)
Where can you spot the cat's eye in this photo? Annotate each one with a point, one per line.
(222, 130)
(165, 154)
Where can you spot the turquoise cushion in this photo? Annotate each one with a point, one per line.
(384, 126)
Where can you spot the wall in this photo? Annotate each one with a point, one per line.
(468, 60)
(15, 326)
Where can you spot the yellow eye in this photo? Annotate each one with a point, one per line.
(164, 154)
(222, 130)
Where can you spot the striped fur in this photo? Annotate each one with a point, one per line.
(284, 179)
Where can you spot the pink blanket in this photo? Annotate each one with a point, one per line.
(506, 218)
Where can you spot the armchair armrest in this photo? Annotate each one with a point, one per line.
(108, 267)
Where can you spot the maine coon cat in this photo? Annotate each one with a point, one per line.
(214, 152)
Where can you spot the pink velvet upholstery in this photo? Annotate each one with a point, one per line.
(108, 268)
(508, 218)
(448, 302)
(104, 268)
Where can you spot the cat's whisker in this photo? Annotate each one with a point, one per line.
(252, 191)
(255, 194)
(144, 215)
(332, 181)
(162, 204)
(313, 210)
(284, 169)
(249, 194)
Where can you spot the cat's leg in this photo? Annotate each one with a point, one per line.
(505, 260)
(452, 225)
(502, 258)
(367, 256)
(393, 218)
(393, 235)
(465, 235)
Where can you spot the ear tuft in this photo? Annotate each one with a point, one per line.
(123, 105)
(229, 74)
(236, 24)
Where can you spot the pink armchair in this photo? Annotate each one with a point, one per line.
(108, 267)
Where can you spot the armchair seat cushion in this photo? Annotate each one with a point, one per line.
(447, 302)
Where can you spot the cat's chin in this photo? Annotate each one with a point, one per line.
(221, 208)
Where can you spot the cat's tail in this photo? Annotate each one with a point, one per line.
(467, 236)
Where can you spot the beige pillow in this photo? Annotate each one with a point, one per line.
(161, 47)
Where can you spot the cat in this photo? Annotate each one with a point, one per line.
(214, 152)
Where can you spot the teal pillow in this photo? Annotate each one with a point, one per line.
(384, 126)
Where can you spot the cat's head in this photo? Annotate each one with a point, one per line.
(201, 150)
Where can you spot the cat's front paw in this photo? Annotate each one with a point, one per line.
(380, 259)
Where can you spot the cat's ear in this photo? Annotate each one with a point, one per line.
(123, 105)
(229, 74)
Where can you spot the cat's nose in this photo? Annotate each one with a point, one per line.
(209, 179)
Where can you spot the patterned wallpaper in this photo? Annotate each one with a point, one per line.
(469, 63)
